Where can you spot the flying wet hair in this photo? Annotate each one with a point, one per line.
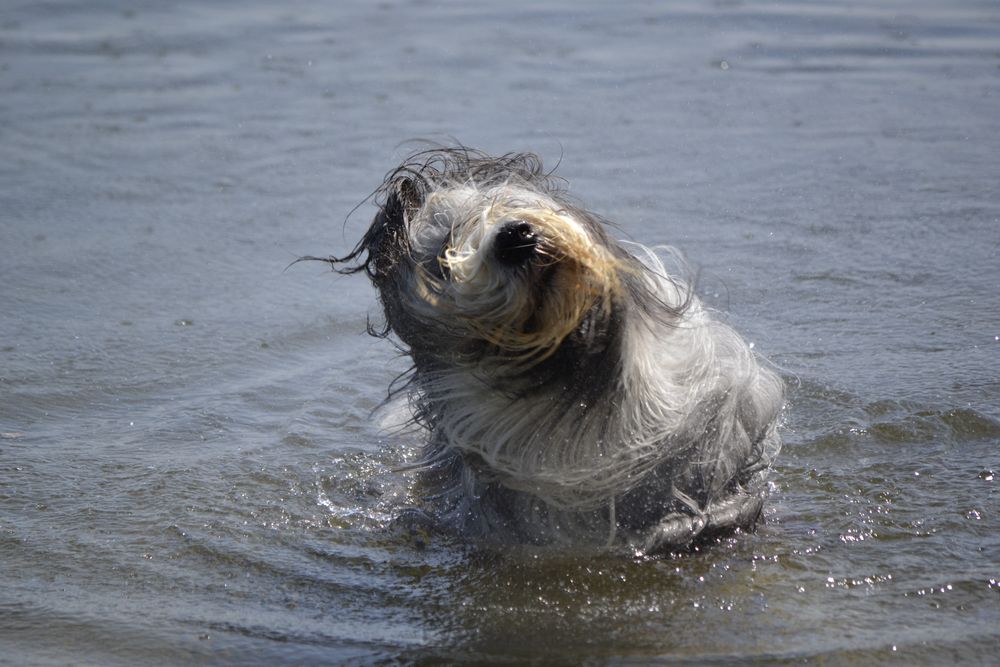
(572, 392)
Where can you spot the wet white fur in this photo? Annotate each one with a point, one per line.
(690, 403)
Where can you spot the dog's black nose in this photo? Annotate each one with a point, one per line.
(515, 242)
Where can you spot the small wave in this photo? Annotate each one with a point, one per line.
(894, 422)
(829, 417)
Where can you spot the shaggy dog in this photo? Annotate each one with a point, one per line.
(572, 391)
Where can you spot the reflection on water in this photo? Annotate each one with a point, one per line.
(190, 470)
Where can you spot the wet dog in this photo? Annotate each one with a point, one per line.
(571, 390)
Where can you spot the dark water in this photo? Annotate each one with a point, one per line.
(189, 472)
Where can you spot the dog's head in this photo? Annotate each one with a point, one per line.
(485, 256)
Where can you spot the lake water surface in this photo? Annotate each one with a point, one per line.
(189, 469)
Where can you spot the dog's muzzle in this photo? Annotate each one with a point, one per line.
(515, 243)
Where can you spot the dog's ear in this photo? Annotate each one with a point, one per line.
(387, 241)
(400, 203)
(409, 195)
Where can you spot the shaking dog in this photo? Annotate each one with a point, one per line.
(572, 391)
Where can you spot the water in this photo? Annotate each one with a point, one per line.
(189, 473)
